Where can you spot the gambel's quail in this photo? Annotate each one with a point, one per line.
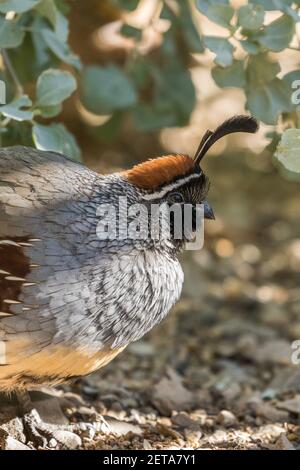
(71, 299)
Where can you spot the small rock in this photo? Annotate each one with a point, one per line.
(286, 380)
(283, 443)
(87, 412)
(267, 432)
(269, 412)
(15, 429)
(67, 438)
(129, 403)
(146, 445)
(167, 431)
(203, 398)
(218, 437)
(292, 405)
(272, 352)
(52, 443)
(10, 443)
(170, 395)
(226, 418)
(87, 432)
(121, 428)
(116, 406)
(227, 390)
(193, 435)
(184, 421)
(90, 391)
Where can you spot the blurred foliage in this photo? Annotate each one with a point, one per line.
(152, 86)
(288, 150)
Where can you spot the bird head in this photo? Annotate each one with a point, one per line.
(179, 179)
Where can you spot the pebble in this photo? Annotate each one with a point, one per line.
(10, 443)
(269, 412)
(184, 421)
(121, 428)
(283, 443)
(68, 439)
(227, 418)
(15, 429)
(218, 437)
(292, 405)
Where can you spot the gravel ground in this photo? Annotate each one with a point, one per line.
(218, 373)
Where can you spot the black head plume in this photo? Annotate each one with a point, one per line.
(234, 124)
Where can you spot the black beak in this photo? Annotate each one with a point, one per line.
(208, 212)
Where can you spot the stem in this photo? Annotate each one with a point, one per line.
(12, 72)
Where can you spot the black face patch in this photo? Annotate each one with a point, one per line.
(194, 191)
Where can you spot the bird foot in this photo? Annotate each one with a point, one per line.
(46, 436)
(38, 432)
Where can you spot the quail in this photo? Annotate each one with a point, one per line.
(70, 301)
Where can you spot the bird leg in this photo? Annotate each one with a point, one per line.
(42, 434)
(35, 429)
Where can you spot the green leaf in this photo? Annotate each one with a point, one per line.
(222, 48)
(261, 70)
(53, 87)
(14, 109)
(251, 17)
(150, 118)
(47, 8)
(288, 150)
(267, 100)
(189, 29)
(218, 11)
(250, 47)
(277, 35)
(292, 76)
(60, 48)
(232, 76)
(11, 34)
(176, 91)
(56, 138)
(105, 89)
(204, 5)
(270, 5)
(221, 14)
(267, 95)
(19, 6)
(62, 27)
(183, 28)
(173, 103)
(284, 6)
(131, 31)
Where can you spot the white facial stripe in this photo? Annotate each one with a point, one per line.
(171, 187)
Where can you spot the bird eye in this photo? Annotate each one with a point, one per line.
(174, 198)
